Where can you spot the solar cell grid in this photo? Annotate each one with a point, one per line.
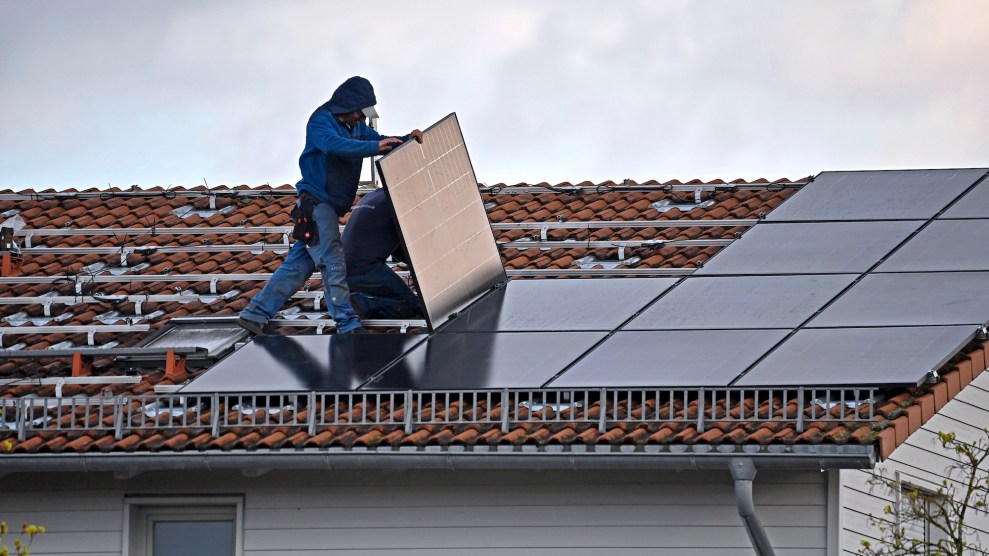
(442, 220)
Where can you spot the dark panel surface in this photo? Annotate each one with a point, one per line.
(570, 304)
(809, 248)
(741, 302)
(975, 204)
(944, 245)
(670, 358)
(443, 224)
(303, 363)
(481, 360)
(879, 195)
(859, 356)
(911, 299)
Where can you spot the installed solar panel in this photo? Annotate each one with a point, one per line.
(911, 299)
(442, 220)
(944, 245)
(810, 248)
(883, 195)
(670, 358)
(481, 360)
(859, 356)
(975, 204)
(741, 302)
(304, 363)
(572, 304)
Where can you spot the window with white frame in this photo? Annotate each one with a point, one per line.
(918, 510)
(183, 526)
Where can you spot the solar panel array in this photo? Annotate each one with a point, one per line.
(861, 278)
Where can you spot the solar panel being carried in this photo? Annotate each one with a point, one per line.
(877, 195)
(442, 221)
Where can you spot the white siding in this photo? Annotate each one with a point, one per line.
(432, 512)
(921, 461)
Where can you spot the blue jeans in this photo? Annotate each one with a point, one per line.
(381, 294)
(299, 264)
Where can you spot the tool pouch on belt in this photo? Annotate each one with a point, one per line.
(305, 226)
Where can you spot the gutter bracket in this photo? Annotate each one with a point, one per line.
(743, 472)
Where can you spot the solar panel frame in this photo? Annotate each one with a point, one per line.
(485, 360)
(809, 248)
(672, 358)
(944, 245)
(910, 299)
(865, 195)
(571, 304)
(974, 204)
(457, 261)
(303, 363)
(741, 302)
(852, 357)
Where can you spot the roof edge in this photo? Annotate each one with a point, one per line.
(678, 457)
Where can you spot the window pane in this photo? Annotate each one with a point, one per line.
(193, 538)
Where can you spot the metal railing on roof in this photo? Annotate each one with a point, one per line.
(80, 279)
(365, 188)
(408, 410)
(598, 224)
(629, 187)
(617, 243)
(89, 329)
(211, 194)
(29, 233)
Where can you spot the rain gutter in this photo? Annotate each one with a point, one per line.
(810, 458)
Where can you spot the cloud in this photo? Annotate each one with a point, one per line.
(157, 93)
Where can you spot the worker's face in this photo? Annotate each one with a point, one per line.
(351, 118)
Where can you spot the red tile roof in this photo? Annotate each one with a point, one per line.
(898, 412)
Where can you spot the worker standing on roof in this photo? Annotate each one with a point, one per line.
(337, 141)
(371, 236)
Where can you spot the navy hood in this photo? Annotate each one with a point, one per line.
(353, 95)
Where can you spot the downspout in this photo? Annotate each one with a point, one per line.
(743, 471)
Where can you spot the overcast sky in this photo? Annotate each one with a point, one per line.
(171, 93)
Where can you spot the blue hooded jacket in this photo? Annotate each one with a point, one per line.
(331, 161)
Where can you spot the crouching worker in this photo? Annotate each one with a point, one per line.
(370, 237)
(337, 141)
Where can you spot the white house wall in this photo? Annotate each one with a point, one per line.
(550, 513)
(919, 460)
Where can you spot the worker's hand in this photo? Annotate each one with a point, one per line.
(388, 143)
(417, 135)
